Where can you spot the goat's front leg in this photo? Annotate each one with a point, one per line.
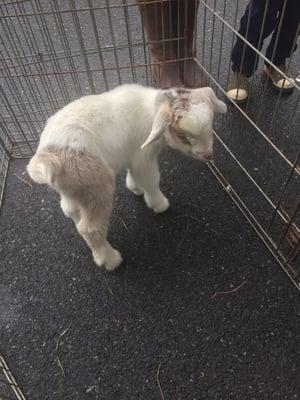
(132, 185)
(145, 175)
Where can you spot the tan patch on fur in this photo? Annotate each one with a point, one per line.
(88, 185)
(179, 100)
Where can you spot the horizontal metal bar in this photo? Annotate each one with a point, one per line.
(78, 53)
(81, 71)
(95, 8)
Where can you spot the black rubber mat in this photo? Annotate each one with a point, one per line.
(162, 326)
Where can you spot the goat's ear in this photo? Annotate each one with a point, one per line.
(218, 105)
(162, 121)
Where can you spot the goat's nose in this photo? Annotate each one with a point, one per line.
(208, 155)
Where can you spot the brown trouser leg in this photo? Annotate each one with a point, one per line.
(191, 73)
(170, 27)
(158, 20)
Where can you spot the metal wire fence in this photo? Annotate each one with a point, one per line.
(55, 51)
(9, 389)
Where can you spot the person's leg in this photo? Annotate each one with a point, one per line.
(282, 43)
(257, 23)
(285, 32)
(158, 21)
(191, 73)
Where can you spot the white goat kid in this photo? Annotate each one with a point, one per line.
(88, 142)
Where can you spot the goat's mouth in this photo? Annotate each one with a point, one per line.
(202, 158)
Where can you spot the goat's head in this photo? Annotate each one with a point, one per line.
(185, 118)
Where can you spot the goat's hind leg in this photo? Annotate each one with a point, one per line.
(70, 208)
(94, 232)
(87, 197)
(96, 206)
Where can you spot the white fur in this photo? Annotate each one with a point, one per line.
(125, 129)
(112, 126)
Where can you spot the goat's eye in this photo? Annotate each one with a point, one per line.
(184, 139)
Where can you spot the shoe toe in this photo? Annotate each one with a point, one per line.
(285, 84)
(237, 94)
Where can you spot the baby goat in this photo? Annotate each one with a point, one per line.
(88, 142)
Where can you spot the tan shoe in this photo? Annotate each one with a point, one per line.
(278, 81)
(238, 88)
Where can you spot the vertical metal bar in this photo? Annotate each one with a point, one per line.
(7, 25)
(195, 33)
(98, 43)
(260, 108)
(212, 38)
(224, 117)
(179, 38)
(221, 41)
(245, 45)
(13, 90)
(170, 24)
(11, 112)
(163, 38)
(144, 48)
(257, 55)
(16, 91)
(232, 40)
(31, 42)
(81, 44)
(184, 37)
(6, 134)
(203, 33)
(158, 29)
(253, 74)
(129, 38)
(26, 90)
(66, 46)
(114, 41)
(48, 41)
(16, 95)
(195, 29)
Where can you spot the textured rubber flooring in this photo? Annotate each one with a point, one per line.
(158, 319)
(155, 328)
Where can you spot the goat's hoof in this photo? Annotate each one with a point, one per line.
(159, 206)
(165, 204)
(111, 262)
(114, 261)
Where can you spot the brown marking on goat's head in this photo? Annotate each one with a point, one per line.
(185, 118)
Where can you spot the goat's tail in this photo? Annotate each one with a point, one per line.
(44, 167)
